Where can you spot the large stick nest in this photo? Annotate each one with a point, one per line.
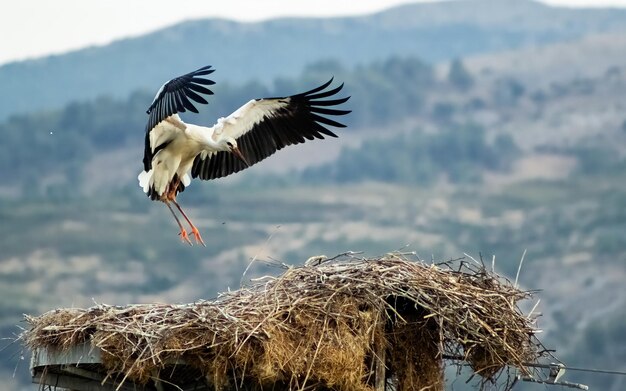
(324, 325)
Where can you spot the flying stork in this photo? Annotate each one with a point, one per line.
(176, 151)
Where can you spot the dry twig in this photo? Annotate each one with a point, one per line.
(316, 324)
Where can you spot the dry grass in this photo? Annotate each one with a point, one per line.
(318, 325)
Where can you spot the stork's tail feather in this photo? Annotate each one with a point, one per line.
(186, 181)
(146, 182)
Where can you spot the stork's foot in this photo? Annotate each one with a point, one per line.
(184, 237)
(196, 234)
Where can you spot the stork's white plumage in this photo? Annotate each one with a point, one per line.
(176, 151)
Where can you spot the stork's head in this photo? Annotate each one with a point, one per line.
(230, 145)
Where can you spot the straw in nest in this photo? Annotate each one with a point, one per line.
(325, 326)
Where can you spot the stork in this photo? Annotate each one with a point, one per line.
(176, 151)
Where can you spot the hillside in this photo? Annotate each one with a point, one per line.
(561, 199)
(121, 250)
(93, 144)
(434, 32)
(539, 66)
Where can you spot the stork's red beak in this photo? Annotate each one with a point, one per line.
(238, 153)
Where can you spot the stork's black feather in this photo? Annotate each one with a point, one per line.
(176, 96)
(296, 119)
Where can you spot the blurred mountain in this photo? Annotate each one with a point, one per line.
(431, 31)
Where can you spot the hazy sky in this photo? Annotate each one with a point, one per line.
(32, 28)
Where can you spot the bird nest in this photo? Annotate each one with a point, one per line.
(329, 325)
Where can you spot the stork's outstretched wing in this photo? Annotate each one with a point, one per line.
(263, 126)
(173, 97)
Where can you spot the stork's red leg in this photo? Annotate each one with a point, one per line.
(183, 234)
(194, 230)
(172, 188)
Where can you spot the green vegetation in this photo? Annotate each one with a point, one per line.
(459, 76)
(457, 153)
(56, 144)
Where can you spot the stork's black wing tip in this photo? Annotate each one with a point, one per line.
(205, 70)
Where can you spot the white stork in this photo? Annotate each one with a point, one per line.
(176, 151)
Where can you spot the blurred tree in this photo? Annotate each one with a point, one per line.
(458, 152)
(324, 68)
(443, 111)
(62, 142)
(539, 96)
(475, 103)
(507, 91)
(596, 160)
(507, 151)
(459, 76)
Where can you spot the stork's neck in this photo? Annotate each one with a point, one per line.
(203, 135)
